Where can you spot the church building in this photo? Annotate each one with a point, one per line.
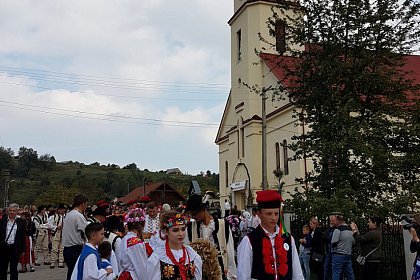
(240, 132)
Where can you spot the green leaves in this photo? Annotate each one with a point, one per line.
(353, 86)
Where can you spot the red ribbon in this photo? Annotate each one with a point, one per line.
(181, 263)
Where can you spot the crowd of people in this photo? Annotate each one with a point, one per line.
(151, 241)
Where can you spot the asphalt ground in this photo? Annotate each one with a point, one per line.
(44, 272)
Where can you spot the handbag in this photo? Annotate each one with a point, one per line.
(362, 259)
(317, 257)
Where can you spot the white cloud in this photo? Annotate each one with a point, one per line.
(165, 41)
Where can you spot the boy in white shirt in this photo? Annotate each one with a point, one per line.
(88, 265)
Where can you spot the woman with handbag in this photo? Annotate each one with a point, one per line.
(370, 246)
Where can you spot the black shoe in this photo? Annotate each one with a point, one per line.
(32, 269)
(37, 264)
(61, 265)
(47, 263)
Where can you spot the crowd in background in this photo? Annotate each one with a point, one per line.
(55, 236)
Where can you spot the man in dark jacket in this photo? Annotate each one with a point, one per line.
(12, 242)
(317, 260)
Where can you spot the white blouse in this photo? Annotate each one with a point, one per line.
(153, 263)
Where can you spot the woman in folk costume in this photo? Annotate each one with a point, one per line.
(133, 254)
(174, 260)
(28, 257)
(269, 252)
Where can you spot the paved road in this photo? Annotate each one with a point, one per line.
(44, 272)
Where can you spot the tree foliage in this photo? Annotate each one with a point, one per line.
(352, 90)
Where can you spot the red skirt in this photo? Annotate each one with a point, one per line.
(28, 257)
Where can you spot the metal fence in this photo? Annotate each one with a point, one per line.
(392, 265)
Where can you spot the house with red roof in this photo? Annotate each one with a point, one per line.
(160, 192)
(239, 136)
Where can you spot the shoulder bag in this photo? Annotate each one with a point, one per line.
(362, 259)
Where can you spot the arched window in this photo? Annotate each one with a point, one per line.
(277, 146)
(285, 158)
(226, 174)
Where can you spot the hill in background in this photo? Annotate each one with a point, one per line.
(38, 180)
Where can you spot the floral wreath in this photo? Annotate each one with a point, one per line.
(135, 216)
(176, 220)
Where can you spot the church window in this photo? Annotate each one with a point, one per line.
(242, 141)
(285, 158)
(226, 174)
(280, 31)
(277, 146)
(239, 39)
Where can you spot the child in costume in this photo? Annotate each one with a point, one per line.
(174, 260)
(88, 265)
(133, 253)
(105, 252)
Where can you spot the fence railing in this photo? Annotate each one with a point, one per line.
(392, 265)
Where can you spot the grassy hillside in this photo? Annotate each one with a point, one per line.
(61, 180)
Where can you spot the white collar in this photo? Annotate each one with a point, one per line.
(91, 246)
(272, 234)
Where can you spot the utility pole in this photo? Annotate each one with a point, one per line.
(6, 188)
(264, 183)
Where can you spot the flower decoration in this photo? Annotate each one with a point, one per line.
(280, 261)
(136, 215)
(177, 220)
(168, 271)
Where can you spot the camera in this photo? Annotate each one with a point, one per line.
(410, 223)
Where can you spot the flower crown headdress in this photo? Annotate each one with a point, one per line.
(136, 215)
(176, 220)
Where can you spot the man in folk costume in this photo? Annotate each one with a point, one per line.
(55, 223)
(269, 252)
(152, 222)
(217, 231)
(98, 215)
(41, 236)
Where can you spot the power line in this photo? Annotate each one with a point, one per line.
(115, 95)
(115, 118)
(28, 108)
(120, 83)
(126, 96)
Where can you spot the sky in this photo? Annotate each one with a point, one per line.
(116, 82)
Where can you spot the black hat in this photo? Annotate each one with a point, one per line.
(114, 223)
(99, 211)
(194, 203)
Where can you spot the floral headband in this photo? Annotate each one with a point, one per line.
(135, 216)
(177, 220)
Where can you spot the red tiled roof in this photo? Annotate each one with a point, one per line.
(277, 64)
(138, 192)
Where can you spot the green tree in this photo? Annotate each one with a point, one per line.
(28, 159)
(352, 89)
(56, 195)
(6, 156)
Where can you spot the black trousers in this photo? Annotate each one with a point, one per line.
(9, 255)
(70, 255)
(370, 271)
